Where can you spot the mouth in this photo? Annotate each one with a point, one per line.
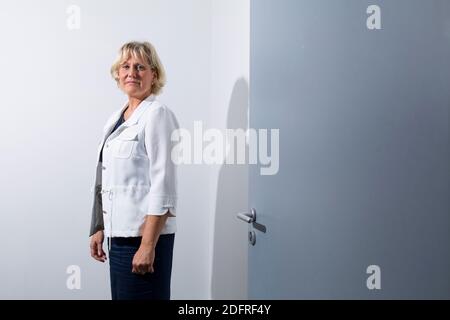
(132, 82)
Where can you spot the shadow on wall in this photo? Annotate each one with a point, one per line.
(230, 246)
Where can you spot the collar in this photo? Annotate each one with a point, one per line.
(144, 105)
(137, 113)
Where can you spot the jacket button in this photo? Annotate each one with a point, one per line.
(104, 212)
(107, 145)
(103, 167)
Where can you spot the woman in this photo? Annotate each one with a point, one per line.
(135, 187)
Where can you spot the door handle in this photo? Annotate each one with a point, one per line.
(248, 217)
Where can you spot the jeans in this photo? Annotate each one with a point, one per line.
(126, 285)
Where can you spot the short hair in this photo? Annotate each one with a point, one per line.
(146, 52)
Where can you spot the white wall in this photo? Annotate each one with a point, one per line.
(57, 94)
(229, 109)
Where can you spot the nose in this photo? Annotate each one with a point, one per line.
(132, 72)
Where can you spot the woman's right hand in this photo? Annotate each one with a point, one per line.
(97, 246)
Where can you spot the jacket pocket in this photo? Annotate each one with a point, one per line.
(127, 142)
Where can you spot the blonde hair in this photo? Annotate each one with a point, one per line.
(146, 52)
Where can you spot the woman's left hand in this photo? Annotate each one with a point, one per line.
(143, 260)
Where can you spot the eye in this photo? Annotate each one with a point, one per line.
(140, 67)
(125, 67)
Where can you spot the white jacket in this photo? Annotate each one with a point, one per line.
(136, 176)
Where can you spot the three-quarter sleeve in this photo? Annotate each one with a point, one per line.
(163, 179)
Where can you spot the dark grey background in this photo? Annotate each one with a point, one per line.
(364, 148)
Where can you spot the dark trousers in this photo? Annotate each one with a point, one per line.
(126, 285)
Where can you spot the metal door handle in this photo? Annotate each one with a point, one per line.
(248, 217)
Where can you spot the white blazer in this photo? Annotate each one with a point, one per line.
(136, 176)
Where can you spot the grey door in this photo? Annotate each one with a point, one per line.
(364, 170)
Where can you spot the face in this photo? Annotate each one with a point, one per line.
(136, 78)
